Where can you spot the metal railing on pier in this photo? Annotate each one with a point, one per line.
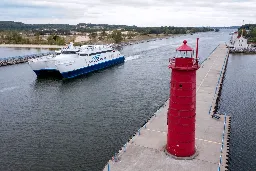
(222, 142)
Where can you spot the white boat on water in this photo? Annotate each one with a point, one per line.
(75, 61)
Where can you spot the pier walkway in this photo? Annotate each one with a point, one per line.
(145, 151)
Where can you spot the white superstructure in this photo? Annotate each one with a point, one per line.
(74, 61)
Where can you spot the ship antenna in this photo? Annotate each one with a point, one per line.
(197, 39)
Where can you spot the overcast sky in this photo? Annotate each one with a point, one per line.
(131, 12)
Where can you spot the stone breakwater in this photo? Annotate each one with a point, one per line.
(21, 59)
(244, 50)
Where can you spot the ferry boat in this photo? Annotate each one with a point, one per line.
(76, 61)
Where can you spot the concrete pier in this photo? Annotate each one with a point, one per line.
(146, 150)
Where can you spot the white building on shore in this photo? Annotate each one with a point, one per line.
(233, 37)
(239, 42)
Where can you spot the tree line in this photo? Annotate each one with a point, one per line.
(20, 33)
(13, 37)
(249, 32)
(116, 36)
(65, 29)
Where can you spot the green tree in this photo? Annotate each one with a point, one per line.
(109, 37)
(50, 40)
(130, 35)
(60, 41)
(252, 35)
(117, 36)
(56, 40)
(93, 35)
(103, 34)
(174, 31)
(167, 31)
(78, 44)
(38, 38)
(253, 32)
(193, 30)
(242, 31)
(14, 37)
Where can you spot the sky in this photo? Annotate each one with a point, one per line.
(131, 12)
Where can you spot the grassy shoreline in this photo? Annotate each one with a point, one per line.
(133, 40)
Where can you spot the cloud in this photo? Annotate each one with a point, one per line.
(131, 12)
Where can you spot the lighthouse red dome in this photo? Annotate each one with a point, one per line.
(184, 47)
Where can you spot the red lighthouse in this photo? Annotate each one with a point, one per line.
(182, 107)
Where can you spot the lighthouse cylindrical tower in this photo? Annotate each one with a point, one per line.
(182, 106)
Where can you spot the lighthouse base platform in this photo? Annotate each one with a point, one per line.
(146, 150)
(183, 158)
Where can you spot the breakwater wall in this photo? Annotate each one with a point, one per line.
(22, 59)
(224, 159)
(245, 50)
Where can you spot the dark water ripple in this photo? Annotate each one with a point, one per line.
(79, 124)
(238, 100)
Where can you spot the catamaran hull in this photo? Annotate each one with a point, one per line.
(92, 68)
(48, 73)
(73, 62)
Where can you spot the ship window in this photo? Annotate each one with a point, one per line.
(106, 51)
(83, 54)
(100, 52)
(68, 52)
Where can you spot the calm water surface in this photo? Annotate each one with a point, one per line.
(12, 52)
(238, 99)
(80, 123)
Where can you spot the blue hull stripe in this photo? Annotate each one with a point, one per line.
(86, 70)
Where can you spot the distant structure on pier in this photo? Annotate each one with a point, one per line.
(238, 42)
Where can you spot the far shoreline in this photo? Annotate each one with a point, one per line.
(45, 46)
